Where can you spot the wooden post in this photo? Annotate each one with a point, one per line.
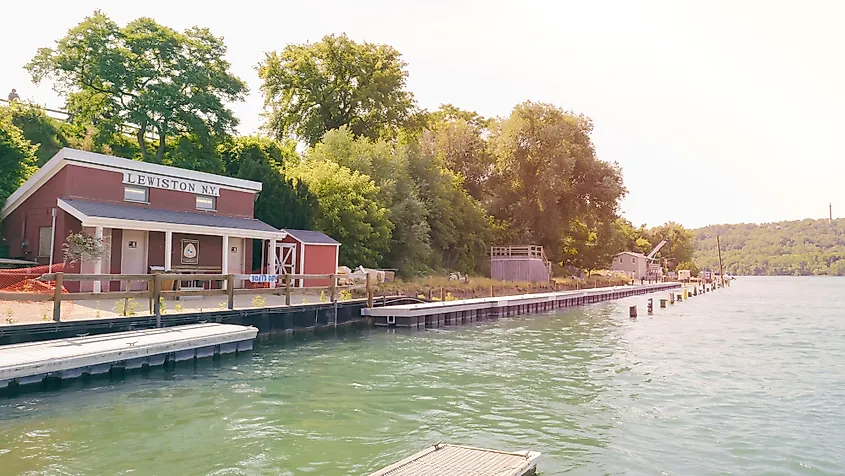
(632, 311)
(529, 288)
(370, 293)
(230, 290)
(287, 290)
(57, 297)
(721, 269)
(441, 295)
(492, 294)
(334, 288)
(157, 298)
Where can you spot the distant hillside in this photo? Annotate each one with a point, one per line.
(789, 248)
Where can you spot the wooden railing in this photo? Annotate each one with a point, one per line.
(528, 251)
(155, 293)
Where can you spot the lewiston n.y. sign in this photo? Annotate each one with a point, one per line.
(170, 183)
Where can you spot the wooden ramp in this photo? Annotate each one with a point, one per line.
(455, 460)
(98, 354)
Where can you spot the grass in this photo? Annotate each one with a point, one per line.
(441, 288)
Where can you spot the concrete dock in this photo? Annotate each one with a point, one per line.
(437, 314)
(453, 460)
(22, 364)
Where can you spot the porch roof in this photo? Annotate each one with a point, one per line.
(114, 215)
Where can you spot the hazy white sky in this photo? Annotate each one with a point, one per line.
(734, 107)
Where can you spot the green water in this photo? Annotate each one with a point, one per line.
(749, 380)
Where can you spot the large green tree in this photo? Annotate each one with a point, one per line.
(282, 203)
(398, 192)
(310, 89)
(460, 137)
(17, 156)
(49, 134)
(349, 209)
(680, 243)
(548, 182)
(461, 230)
(146, 76)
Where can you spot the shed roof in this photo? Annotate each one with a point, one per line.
(311, 237)
(86, 209)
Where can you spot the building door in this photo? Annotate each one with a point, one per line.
(236, 259)
(133, 257)
(285, 258)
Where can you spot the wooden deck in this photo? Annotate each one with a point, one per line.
(454, 460)
(437, 314)
(33, 362)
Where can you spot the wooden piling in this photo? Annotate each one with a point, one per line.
(663, 304)
(370, 293)
(57, 297)
(632, 311)
(230, 291)
(287, 289)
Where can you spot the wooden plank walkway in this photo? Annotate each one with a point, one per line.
(437, 314)
(453, 460)
(90, 355)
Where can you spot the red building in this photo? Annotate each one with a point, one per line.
(149, 216)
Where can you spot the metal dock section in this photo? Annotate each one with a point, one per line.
(455, 460)
(438, 314)
(33, 362)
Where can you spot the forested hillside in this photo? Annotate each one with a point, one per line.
(790, 248)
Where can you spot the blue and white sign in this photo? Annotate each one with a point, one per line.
(262, 278)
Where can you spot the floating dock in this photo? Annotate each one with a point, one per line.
(33, 362)
(453, 460)
(437, 314)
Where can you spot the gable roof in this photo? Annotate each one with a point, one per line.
(91, 159)
(311, 237)
(97, 213)
(632, 253)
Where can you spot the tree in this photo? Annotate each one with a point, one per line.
(409, 242)
(548, 181)
(145, 75)
(311, 89)
(348, 210)
(40, 129)
(680, 244)
(17, 156)
(461, 230)
(460, 138)
(282, 203)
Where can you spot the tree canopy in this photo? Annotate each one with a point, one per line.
(310, 89)
(17, 156)
(145, 75)
(349, 210)
(548, 181)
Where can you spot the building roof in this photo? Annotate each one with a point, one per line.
(310, 237)
(632, 253)
(97, 213)
(91, 159)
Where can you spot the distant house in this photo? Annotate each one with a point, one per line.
(633, 264)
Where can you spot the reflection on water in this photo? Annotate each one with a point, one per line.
(744, 381)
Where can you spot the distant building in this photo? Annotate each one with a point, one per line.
(633, 264)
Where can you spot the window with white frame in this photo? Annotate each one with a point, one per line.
(45, 238)
(134, 193)
(206, 202)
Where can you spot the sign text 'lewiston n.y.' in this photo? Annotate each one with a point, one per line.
(170, 183)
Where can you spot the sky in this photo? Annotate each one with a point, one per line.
(717, 111)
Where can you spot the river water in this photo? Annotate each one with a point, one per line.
(747, 380)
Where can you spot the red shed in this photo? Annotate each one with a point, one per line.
(307, 252)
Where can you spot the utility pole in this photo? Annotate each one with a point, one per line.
(721, 269)
(830, 208)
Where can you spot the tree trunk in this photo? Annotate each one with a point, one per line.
(142, 143)
(161, 145)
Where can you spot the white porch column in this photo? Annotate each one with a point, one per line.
(168, 251)
(98, 266)
(224, 263)
(271, 261)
